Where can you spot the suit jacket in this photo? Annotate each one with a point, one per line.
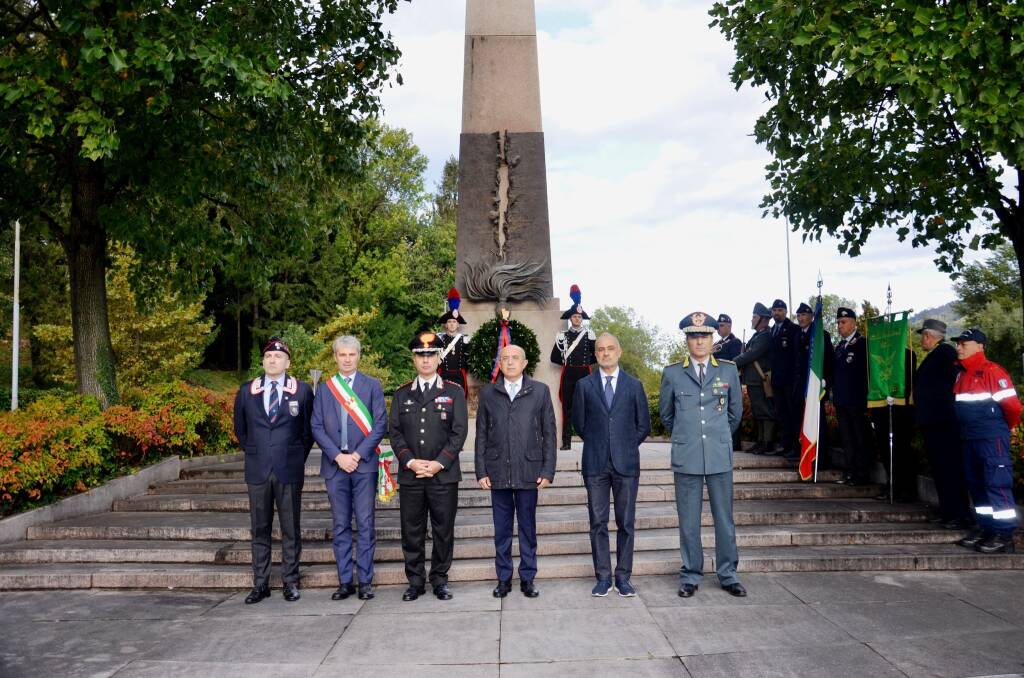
(282, 446)
(326, 425)
(934, 402)
(757, 349)
(785, 346)
(515, 439)
(850, 381)
(611, 435)
(431, 426)
(803, 361)
(701, 419)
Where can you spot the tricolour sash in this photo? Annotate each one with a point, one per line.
(355, 408)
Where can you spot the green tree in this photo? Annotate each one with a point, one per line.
(987, 298)
(830, 303)
(903, 114)
(184, 129)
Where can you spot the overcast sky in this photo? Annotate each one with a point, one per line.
(653, 178)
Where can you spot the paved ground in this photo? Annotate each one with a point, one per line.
(802, 624)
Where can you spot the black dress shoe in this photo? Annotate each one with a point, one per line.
(257, 594)
(503, 588)
(974, 537)
(442, 592)
(343, 592)
(735, 590)
(291, 592)
(687, 590)
(997, 543)
(365, 592)
(565, 447)
(528, 589)
(413, 592)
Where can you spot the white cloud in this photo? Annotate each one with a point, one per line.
(653, 178)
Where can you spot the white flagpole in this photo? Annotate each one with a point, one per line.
(817, 438)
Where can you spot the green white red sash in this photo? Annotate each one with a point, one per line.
(356, 409)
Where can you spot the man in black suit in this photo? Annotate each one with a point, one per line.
(785, 343)
(934, 407)
(850, 398)
(427, 427)
(612, 417)
(515, 458)
(272, 423)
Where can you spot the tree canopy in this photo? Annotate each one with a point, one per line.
(903, 115)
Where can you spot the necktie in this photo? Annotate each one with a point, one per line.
(608, 392)
(513, 390)
(275, 402)
(344, 422)
(700, 373)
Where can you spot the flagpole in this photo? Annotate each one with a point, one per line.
(889, 401)
(817, 438)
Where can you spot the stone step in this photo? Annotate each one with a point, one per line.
(389, 550)
(554, 496)
(567, 479)
(781, 559)
(653, 456)
(469, 522)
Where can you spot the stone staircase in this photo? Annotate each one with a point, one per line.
(194, 532)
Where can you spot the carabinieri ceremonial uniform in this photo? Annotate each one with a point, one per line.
(455, 354)
(574, 351)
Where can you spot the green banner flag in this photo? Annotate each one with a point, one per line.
(887, 359)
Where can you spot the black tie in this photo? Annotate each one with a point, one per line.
(275, 402)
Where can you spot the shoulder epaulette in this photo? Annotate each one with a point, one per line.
(453, 383)
(678, 362)
(723, 360)
(408, 383)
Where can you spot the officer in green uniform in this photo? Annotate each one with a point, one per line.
(755, 367)
(427, 427)
(701, 406)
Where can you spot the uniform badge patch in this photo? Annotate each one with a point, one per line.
(293, 408)
(849, 357)
(442, 400)
(1003, 383)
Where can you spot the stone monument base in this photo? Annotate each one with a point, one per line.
(545, 321)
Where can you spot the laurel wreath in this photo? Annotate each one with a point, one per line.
(484, 347)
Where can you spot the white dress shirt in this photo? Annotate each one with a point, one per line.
(518, 386)
(615, 379)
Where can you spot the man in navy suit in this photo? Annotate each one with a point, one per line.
(611, 415)
(349, 421)
(272, 414)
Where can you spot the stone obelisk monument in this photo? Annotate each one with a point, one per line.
(503, 244)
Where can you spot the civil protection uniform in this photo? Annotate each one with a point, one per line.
(428, 421)
(272, 424)
(700, 417)
(850, 398)
(785, 347)
(455, 354)
(574, 350)
(987, 408)
(729, 346)
(754, 367)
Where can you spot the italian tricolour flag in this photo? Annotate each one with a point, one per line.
(812, 402)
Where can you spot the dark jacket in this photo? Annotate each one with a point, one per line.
(728, 348)
(933, 389)
(582, 356)
(757, 349)
(431, 426)
(281, 446)
(611, 435)
(803, 361)
(850, 382)
(515, 439)
(785, 346)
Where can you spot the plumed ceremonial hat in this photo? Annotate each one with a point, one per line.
(698, 322)
(275, 344)
(843, 312)
(426, 342)
(453, 303)
(762, 310)
(804, 308)
(574, 294)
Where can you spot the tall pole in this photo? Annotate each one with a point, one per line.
(15, 332)
(889, 401)
(789, 267)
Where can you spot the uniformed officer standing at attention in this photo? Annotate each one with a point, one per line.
(850, 398)
(272, 423)
(574, 351)
(753, 365)
(428, 427)
(728, 346)
(804, 318)
(785, 344)
(988, 409)
(701, 406)
(455, 354)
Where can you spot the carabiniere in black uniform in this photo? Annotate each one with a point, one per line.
(574, 350)
(455, 353)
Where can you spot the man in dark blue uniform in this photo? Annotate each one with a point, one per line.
(804, 318)
(455, 354)
(728, 345)
(574, 351)
(272, 423)
(850, 398)
(428, 427)
(785, 344)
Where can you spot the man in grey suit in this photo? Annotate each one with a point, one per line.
(701, 406)
(610, 413)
